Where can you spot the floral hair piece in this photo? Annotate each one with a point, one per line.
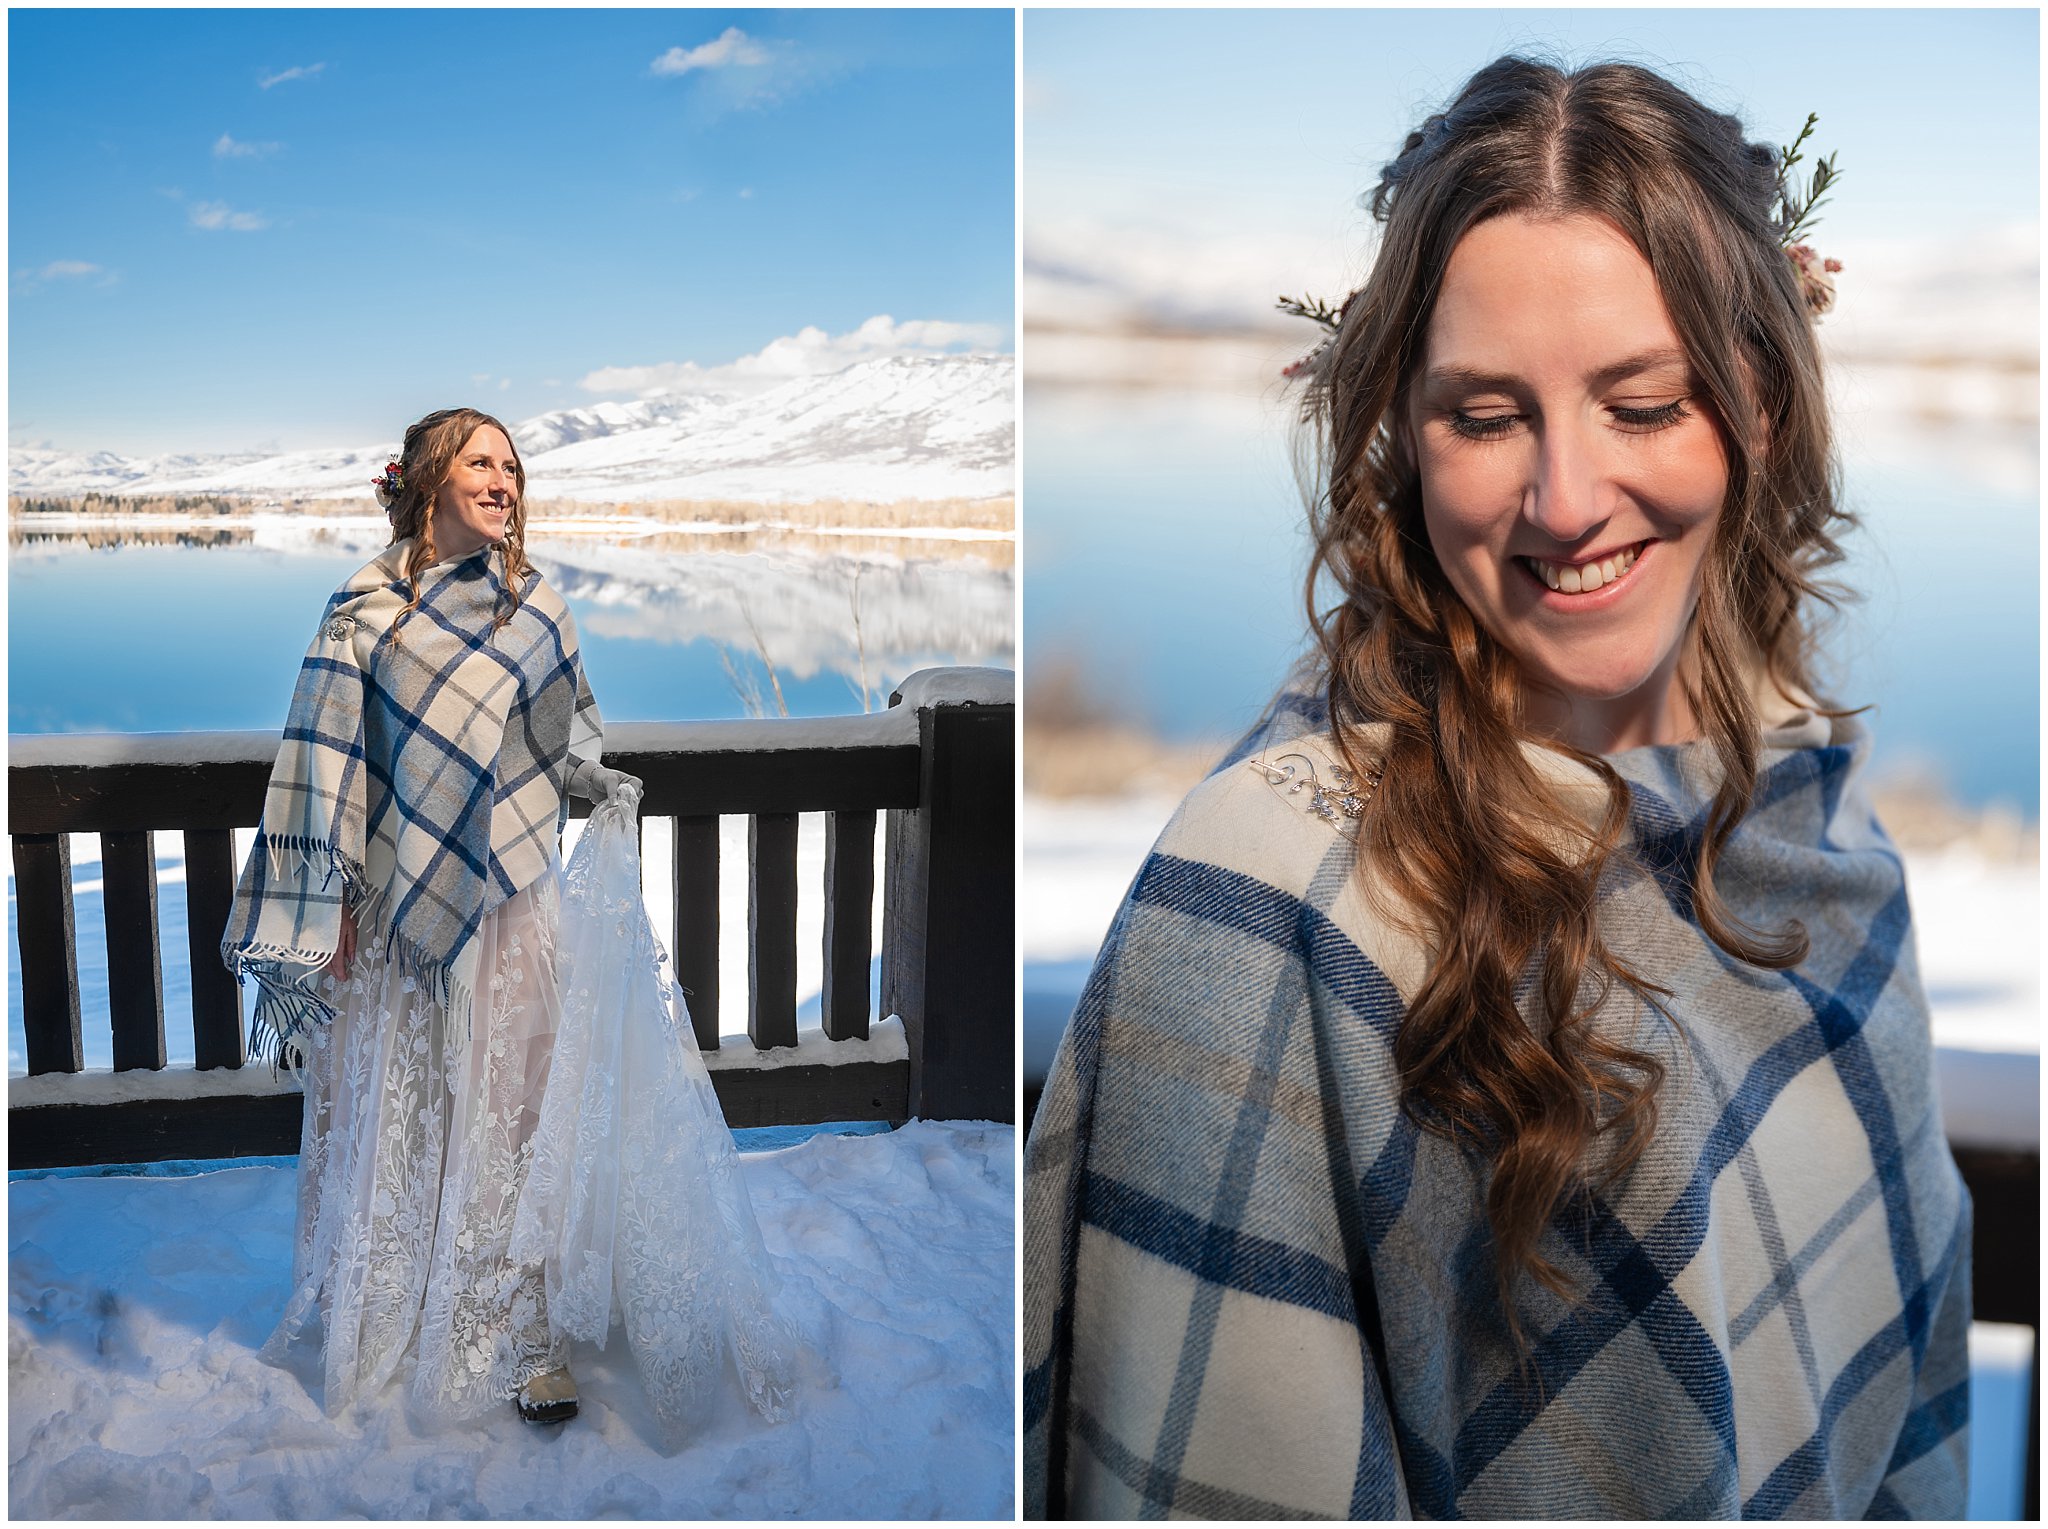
(1795, 215)
(389, 484)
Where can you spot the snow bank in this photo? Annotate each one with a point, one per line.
(136, 1305)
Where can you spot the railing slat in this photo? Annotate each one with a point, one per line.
(849, 922)
(49, 953)
(209, 896)
(695, 946)
(771, 929)
(135, 968)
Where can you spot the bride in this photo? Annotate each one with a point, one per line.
(505, 1142)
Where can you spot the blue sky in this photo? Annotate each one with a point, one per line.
(275, 229)
(1223, 118)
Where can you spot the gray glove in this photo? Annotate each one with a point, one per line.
(595, 783)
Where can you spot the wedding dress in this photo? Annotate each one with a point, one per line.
(494, 1195)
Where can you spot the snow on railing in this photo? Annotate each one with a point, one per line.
(938, 765)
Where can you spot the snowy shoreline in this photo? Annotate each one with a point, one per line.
(355, 525)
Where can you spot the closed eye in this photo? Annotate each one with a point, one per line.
(1653, 419)
(1482, 427)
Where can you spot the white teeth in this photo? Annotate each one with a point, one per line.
(1583, 578)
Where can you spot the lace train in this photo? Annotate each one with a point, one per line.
(495, 1195)
(634, 1203)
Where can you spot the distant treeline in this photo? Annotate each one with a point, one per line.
(131, 504)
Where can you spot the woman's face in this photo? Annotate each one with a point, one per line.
(476, 499)
(1570, 475)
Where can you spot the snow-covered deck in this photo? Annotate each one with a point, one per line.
(136, 1306)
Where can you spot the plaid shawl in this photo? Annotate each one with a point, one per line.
(1253, 1288)
(420, 780)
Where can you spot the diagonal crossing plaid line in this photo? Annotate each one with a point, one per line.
(1781, 1490)
(1841, 1015)
(1633, 1271)
(1233, 1189)
(1162, 1494)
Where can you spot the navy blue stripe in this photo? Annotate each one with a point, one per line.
(1221, 1255)
(1627, 1266)
(1805, 1465)
(1227, 899)
(1841, 1015)
(1935, 1421)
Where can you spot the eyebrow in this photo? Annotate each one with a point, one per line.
(1475, 379)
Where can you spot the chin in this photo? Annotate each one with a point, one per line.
(1627, 676)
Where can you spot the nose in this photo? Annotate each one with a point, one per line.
(501, 483)
(1567, 494)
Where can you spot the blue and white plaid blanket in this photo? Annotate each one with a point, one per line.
(1253, 1289)
(420, 781)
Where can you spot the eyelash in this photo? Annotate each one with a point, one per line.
(1492, 427)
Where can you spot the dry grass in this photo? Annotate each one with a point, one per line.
(894, 515)
(1075, 744)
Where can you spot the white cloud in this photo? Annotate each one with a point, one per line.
(226, 147)
(810, 352)
(60, 270)
(729, 48)
(296, 72)
(217, 215)
(746, 193)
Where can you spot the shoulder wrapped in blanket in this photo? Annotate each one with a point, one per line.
(419, 783)
(1254, 1289)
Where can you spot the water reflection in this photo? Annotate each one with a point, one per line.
(112, 538)
(676, 623)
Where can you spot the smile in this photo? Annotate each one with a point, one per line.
(1586, 577)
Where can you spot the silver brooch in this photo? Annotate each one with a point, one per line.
(339, 628)
(1340, 802)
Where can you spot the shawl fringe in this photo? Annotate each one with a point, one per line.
(287, 1002)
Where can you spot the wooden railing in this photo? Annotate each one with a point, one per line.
(935, 771)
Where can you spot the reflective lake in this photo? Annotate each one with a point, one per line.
(140, 636)
(149, 632)
(1164, 553)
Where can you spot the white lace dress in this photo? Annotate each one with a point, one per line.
(561, 1169)
(416, 1144)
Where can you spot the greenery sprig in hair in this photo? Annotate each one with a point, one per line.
(1796, 212)
(1796, 216)
(1316, 311)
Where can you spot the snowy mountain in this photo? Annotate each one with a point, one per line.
(905, 427)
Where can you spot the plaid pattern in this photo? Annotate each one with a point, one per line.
(420, 779)
(1253, 1288)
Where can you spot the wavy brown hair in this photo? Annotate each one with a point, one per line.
(1483, 858)
(431, 447)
